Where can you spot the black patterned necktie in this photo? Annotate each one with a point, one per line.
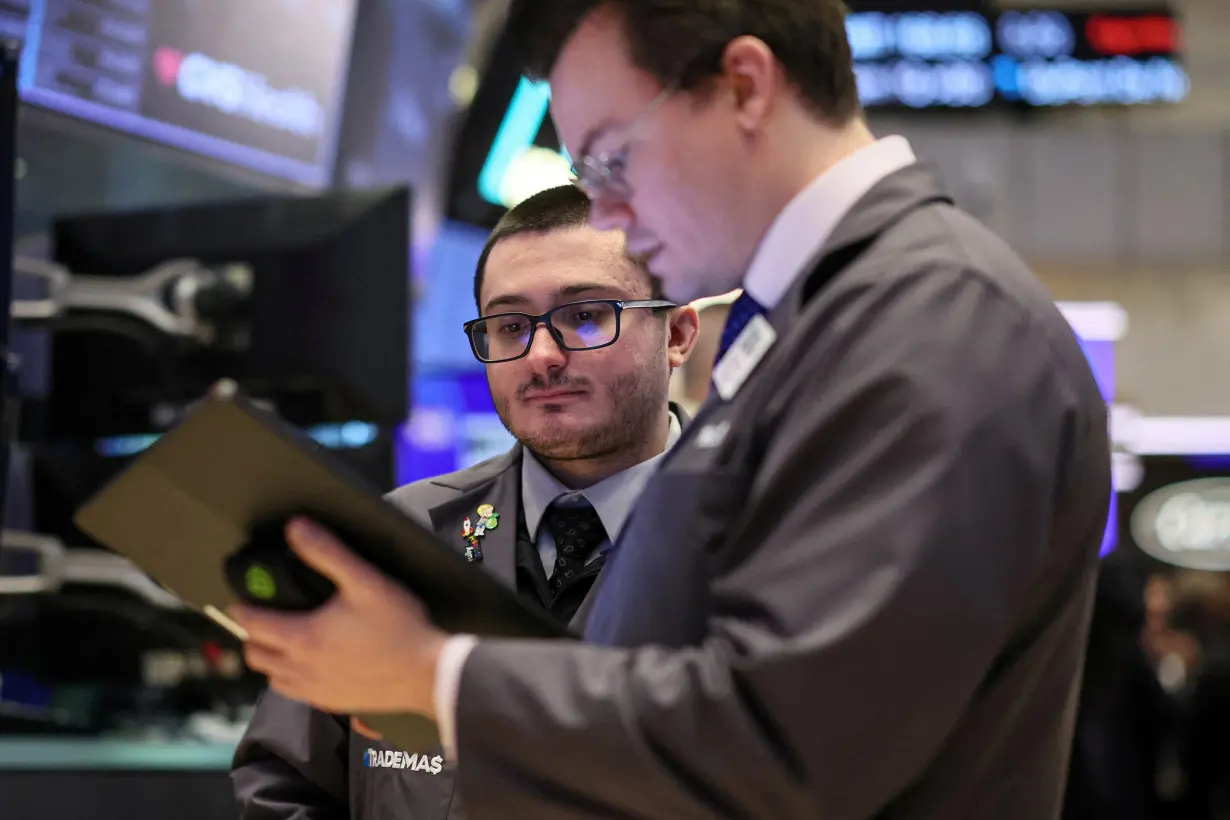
(577, 531)
(742, 311)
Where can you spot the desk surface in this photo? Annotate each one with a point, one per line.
(50, 754)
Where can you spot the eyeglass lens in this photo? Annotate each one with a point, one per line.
(602, 176)
(576, 326)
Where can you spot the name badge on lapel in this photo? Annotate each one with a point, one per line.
(743, 357)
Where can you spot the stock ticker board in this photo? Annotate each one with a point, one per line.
(1041, 58)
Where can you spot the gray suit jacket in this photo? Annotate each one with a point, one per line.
(859, 589)
(297, 763)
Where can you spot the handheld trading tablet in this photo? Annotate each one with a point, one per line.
(201, 512)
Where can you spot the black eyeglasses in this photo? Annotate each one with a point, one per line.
(587, 325)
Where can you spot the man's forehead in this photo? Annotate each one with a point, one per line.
(554, 259)
(594, 84)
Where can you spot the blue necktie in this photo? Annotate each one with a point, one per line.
(742, 310)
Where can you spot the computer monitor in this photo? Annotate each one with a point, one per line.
(328, 316)
(251, 84)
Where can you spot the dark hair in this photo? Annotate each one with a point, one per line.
(681, 42)
(551, 210)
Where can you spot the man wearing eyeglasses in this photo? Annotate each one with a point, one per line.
(859, 586)
(578, 357)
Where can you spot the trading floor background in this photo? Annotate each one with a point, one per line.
(294, 193)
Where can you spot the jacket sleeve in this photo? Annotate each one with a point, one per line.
(292, 763)
(899, 511)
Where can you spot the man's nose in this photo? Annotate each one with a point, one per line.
(545, 353)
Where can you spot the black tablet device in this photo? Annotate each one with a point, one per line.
(200, 512)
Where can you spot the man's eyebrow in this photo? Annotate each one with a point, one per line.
(505, 300)
(519, 300)
(579, 288)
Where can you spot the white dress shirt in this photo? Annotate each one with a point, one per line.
(794, 238)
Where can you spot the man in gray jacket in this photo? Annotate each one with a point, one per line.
(587, 402)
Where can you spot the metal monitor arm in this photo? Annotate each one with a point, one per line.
(48, 566)
(182, 298)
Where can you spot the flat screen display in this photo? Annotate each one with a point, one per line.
(255, 84)
(955, 57)
(1050, 58)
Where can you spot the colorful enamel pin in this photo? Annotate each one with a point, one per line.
(488, 519)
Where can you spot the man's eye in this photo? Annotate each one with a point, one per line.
(513, 327)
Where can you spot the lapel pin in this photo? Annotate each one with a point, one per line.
(488, 519)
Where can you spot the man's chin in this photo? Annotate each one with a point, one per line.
(562, 440)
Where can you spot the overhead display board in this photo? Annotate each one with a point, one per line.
(254, 84)
(1042, 58)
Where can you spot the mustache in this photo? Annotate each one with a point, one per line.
(554, 383)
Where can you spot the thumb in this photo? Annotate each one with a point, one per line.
(362, 728)
(322, 551)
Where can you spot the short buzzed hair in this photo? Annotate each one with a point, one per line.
(554, 209)
(551, 210)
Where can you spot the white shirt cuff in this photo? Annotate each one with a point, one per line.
(448, 685)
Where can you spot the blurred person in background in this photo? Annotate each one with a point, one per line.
(1201, 614)
(860, 584)
(591, 424)
(1126, 722)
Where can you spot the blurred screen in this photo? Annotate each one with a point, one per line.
(949, 57)
(257, 84)
(13, 17)
(1178, 514)
(454, 426)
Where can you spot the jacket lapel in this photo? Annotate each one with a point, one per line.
(502, 491)
(889, 201)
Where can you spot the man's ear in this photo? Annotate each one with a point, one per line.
(752, 72)
(682, 332)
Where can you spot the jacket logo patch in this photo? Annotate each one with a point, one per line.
(390, 759)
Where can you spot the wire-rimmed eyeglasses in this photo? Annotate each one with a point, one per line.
(602, 174)
(587, 325)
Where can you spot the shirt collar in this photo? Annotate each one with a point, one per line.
(806, 223)
(612, 498)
